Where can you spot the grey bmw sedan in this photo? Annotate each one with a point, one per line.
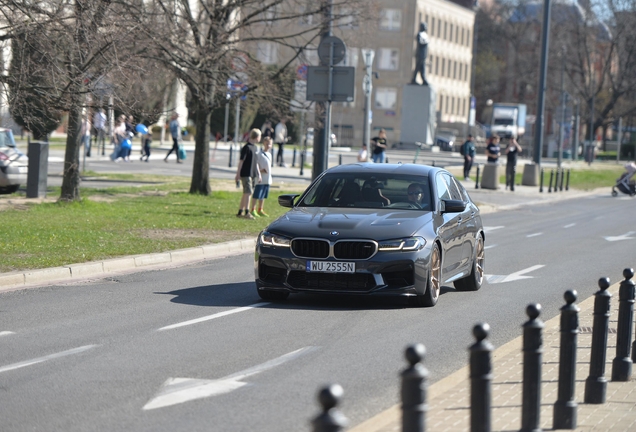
(374, 229)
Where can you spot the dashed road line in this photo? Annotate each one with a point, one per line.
(534, 235)
(211, 317)
(6, 333)
(46, 358)
(569, 225)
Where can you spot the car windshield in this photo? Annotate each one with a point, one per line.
(6, 139)
(503, 122)
(369, 190)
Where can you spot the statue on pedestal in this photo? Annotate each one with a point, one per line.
(421, 54)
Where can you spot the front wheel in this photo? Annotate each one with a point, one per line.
(476, 277)
(434, 283)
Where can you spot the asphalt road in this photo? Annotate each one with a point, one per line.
(130, 352)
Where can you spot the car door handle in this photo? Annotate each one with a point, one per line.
(459, 220)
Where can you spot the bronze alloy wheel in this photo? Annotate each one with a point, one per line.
(436, 275)
(480, 261)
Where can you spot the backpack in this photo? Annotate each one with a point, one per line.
(462, 150)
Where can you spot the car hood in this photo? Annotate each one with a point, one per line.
(351, 223)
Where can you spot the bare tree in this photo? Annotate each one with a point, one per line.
(206, 42)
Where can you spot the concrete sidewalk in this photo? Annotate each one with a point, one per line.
(449, 398)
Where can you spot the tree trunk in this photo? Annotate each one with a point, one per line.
(71, 173)
(201, 168)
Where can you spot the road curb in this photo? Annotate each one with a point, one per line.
(70, 272)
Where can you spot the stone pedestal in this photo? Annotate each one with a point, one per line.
(530, 175)
(38, 169)
(490, 177)
(418, 114)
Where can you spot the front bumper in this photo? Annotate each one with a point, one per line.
(386, 273)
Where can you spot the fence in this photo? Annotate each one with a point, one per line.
(414, 377)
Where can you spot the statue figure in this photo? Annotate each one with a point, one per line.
(421, 54)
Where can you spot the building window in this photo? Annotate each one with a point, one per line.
(467, 38)
(447, 104)
(450, 35)
(304, 9)
(432, 29)
(462, 39)
(386, 98)
(267, 52)
(391, 19)
(436, 65)
(389, 59)
(439, 28)
(271, 14)
(443, 67)
(445, 28)
(453, 105)
(347, 20)
(429, 66)
(457, 34)
(454, 70)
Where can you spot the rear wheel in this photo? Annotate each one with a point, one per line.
(272, 295)
(476, 277)
(434, 284)
(9, 189)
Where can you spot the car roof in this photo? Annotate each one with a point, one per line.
(408, 169)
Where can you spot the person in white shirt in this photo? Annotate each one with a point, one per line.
(363, 154)
(86, 136)
(99, 128)
(261, 191)
(280, 138)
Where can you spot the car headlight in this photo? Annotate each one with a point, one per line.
(269, 239)
(403, 244)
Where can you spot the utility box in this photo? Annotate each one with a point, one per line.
(38, 169)
(490, 177)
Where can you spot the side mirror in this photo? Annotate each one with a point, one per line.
(453, 206)
(286, 200)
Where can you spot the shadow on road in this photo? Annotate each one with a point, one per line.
(244, 294)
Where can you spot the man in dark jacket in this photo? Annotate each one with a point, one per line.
(468, 151)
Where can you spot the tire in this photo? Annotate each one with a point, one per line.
(476, 277)
(9, 189)
(434, 283)
(271, 295)
(614, 193)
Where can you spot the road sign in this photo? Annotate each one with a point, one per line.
(301, 72)
(339, 50)
(343, 83)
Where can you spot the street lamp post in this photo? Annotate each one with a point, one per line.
(545, 40)
(367, 86)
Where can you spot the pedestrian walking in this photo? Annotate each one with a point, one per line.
(492, 149)
(379, 147)
(261, 190)
(280, 138)
(363, 154)
(86, 135)
(175, 132)
(118, 136)
(267, 130)
(147, 140)
(247, 172)
(468, 151)
(99, 127)
(512, 151)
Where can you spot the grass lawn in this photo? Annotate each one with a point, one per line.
(124, 221)
(582, 179)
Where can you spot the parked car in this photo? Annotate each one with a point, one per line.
(310, 138)
(357, 230)
(14, 164)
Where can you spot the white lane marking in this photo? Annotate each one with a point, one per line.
(534, 235)
(625, 236)
(46, 358)
(179, 390)
(489, 246)
(569, 225)
(211, 317)
(6, 333)
(493, 279)
(490, 229)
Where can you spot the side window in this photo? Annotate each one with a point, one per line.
(441, 188)
(463, 191)
(452, 187)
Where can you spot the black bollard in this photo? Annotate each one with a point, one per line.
(596, 384)
(302, 163)
(622, 364)
(330, 419)
(477, 179)
(339, 159)
(551, 178)
(480, 380)
(541, 181)
(229, 164)
(561, 180)
(414, 379)
(294, 158)
(532, 353)
(564, 416)
(567, 181)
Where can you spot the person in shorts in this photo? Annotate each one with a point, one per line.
(261, 190)
(247, 171)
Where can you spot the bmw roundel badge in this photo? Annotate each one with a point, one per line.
(334, 233)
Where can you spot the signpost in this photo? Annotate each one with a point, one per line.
(237, 90)
(329, 83)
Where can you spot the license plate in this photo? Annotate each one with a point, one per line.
(331, 267)
(23, 170)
